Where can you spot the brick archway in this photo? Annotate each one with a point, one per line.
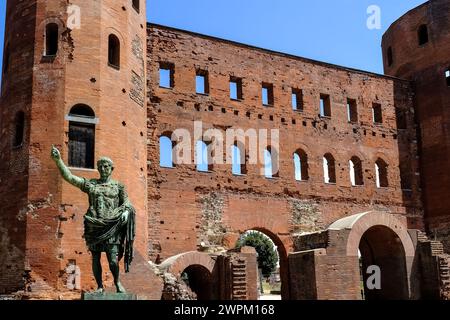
(359, 224)
(381, 240)
(177, 264)
(283, 256)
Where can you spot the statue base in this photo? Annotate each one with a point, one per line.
(108, 296)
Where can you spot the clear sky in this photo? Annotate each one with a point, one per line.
(333, 31)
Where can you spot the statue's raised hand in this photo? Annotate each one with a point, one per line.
(56, 155)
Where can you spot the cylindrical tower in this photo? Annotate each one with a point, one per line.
(417, 47)
(73, 76)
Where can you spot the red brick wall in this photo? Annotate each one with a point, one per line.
(426, 65)
(180, 198)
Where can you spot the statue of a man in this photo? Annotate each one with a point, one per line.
(109, 224)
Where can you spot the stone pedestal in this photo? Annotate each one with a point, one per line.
(108, 296)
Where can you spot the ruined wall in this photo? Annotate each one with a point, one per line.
(426, 64)
(187, 207)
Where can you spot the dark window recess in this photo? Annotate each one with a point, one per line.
(236, 88)
(390, 56)
(358, 178)
(81, 145)
(422, 33)
(377, 113)
(114, 51)
(325, 106)
(202, 82)
(382, 173)
(405, 175)
(267, 94)
(19, 129)
(297, 99)
(137, 5)
(51, 39)
(401, 118)
(330, 168)
(352, 110)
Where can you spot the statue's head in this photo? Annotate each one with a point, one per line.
(105, 167)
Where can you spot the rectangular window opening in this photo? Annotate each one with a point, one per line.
(236, 88)
(201, 82)
(297, 100)
(352, 111)
(447, 77)
(377, 113)
(166, 75)
(325, 106)
(267, 94)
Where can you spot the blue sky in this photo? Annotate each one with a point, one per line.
(326, 30)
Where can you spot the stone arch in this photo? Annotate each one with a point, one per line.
(177, 264)
(385, 236)
(199, 269)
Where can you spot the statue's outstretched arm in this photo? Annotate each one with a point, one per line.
(65, 172)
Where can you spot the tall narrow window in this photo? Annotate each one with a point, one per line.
(239, 161)
(81, 137)
(422, 34)
(203, 159)
(166, 75)
(235, 88)
(325, 106)
(390, 56)
(51, 39)
(356, 172)
(114, 51)
(301, 165)
(297, 100)
(137, 5)
(166, 152)
(329, 169)
(352, 111)
(202, 82)
(381, 174)
(447, 76)
(267, 94)
(270, 163)
(19, 129)
(377, 113)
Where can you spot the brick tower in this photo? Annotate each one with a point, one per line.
(73, 76)
(416, 47)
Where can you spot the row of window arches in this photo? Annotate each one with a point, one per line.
(300, 160)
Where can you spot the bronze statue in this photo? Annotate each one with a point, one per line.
(109, 224)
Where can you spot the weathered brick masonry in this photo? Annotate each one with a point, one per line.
(318, 227)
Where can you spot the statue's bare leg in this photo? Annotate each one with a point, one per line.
(113, 259)
(97, 270)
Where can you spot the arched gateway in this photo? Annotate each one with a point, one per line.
(335, 263)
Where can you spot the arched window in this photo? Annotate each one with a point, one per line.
(51, 39)
(390, 56)
(301, 165)
(203, 160)
(19, 129)
(381, 173)
(329, 169)
(356, 172)
(136, 5)
(270, 163)
(166, 152)
(422, 34)
(81, 137)
(238, 160)
(114, 51)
